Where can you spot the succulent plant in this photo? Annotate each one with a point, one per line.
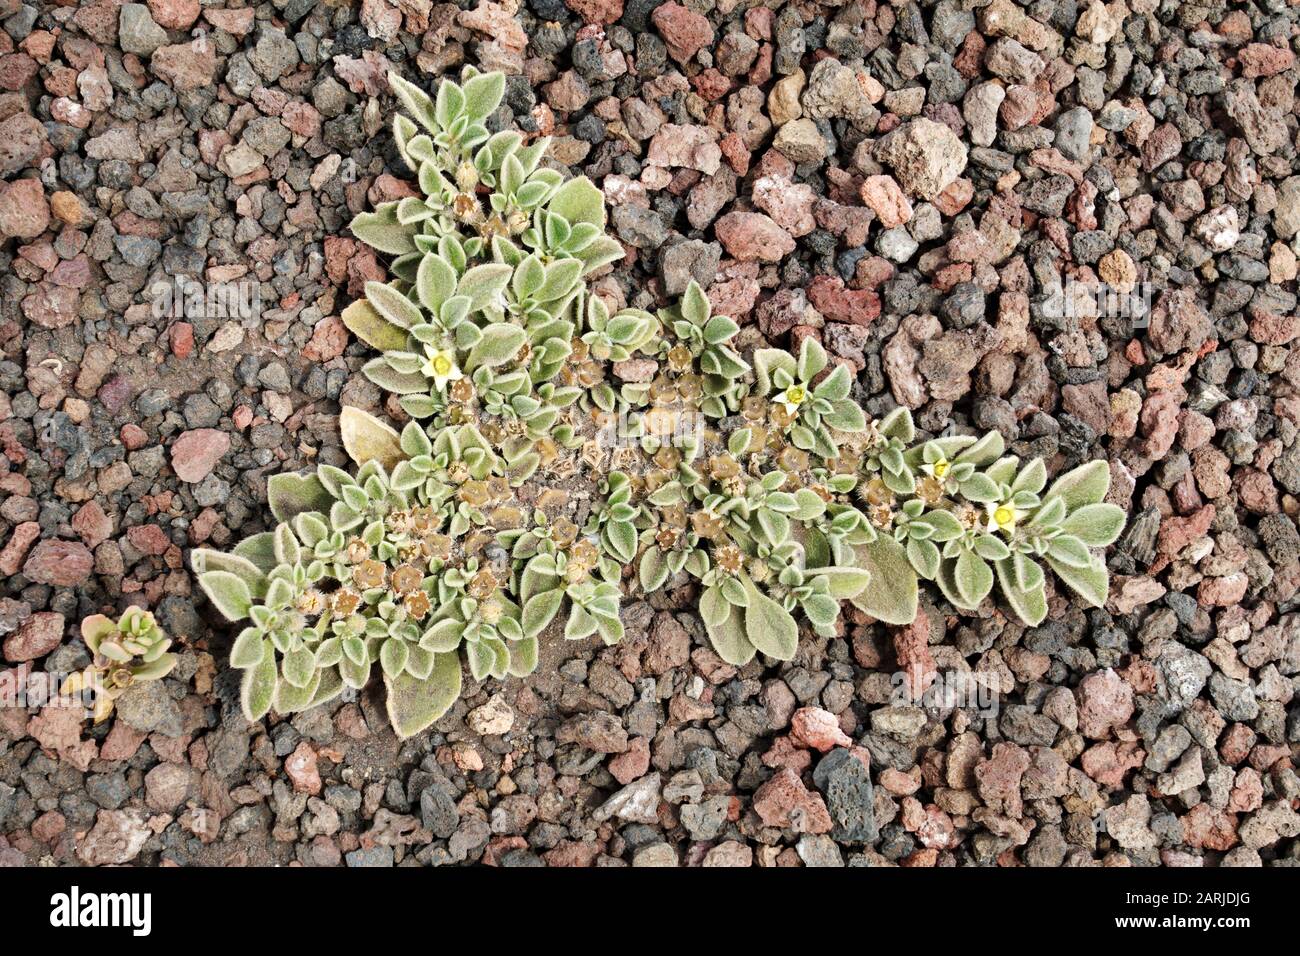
(125, 652)
(531, 477)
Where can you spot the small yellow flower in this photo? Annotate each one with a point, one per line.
(1001, 517)
(938, 469)
(440, 365)
(791, 399)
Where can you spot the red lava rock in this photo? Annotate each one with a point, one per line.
(1264, 59)
(912, 648)
(596, 11)
(122, 742)
(61, 563)
(886, 198)
(148, 539)
(186, 66)
(683, 30)
(786, 752)
(195, 453)
(11, 558)
(115, 393)
(785, 802)
(898, 783)
(1108, 762)
(49, 826)
(1177, 533)
(328, 340)
(1207, 828)
(998, 778)
(818, 729)
(301, 768)
(174, 14)
(854, 306)
(24, 212)
(36, 637)
(1162, 145)
(1223, 592)
(133, 436)
(1105, 702)
(632, 763)
(1269, 329)
(92, 524)
(669, 645)
(181, 338)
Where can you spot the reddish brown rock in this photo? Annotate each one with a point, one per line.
(632, 763)
(596, 11)
(683, 30)
(751, 236)
(24, 213)
(785, 802)
(61, 563)
(328, 340)
(818, 729)
(11, 558)
(301, 768)
(38, 635)
(174, 14)
(195, 453)
(1264, 59)
(855, 306)
(886, 198)
(1105, 702)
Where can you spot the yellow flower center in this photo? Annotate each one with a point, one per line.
(940, 468)
(441, 365)
(1004, 516)
(795, 394)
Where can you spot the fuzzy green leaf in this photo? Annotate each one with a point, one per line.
(291, 494)
(1085, 485)
(577, 201)
(1095, 525)
(769, 626)
(767, 362)
(257, 688)
(392, 305)
(500, 343)
(483, 94)
(539, 610)
(228, 593)
(892, 596)
(483, 285)
(1091, 583)
(973, 577)
(414, 704)
(381, 230)
(1030, 604)
(728, 638)
(844, 582)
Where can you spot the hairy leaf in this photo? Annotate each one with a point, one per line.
(414, 704)
(892, 596)
(366, 438)
(769, 626)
